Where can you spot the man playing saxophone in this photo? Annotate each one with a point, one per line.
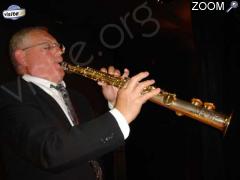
(40, 137)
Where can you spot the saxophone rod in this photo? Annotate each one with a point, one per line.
(196, 110)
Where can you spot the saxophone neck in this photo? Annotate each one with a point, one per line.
(94, 75)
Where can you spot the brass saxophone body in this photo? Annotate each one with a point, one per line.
(203, 112)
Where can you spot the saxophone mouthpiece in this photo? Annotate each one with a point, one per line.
(64, 66)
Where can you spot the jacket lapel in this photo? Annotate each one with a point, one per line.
(49, 107)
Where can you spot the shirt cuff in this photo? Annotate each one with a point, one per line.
(122, 122)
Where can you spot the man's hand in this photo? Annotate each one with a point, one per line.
(110, 92)
(130, 98)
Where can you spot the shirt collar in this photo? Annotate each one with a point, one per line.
(40, 81)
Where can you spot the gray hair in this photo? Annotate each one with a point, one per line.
(17, 40)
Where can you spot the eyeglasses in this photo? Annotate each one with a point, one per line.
(48, 46)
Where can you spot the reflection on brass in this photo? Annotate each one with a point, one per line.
(203, 112)
(209, 106)
(197, 102)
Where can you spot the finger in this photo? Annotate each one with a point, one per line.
(111, 70)
(142, 85)
(149, 95)
(103, 70)
(101, 83)
(133, 82)
(125, 73)
(117, 73)
(125, 85)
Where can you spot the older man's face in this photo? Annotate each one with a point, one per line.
(42, 56)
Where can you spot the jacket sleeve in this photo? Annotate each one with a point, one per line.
(32, 136)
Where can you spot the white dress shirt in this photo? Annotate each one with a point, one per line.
(45, 85)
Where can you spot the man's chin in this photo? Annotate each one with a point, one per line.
(61, 75)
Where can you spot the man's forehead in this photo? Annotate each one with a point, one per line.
(41, 35)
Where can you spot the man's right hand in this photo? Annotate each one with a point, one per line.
(130, 98)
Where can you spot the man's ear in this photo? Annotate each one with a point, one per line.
(19, 56)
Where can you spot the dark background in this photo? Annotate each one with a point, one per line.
(194, 54)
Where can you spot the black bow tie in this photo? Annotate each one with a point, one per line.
(57, 87)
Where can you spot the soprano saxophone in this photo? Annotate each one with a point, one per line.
(203, 112)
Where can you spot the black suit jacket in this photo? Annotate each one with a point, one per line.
(38, 142)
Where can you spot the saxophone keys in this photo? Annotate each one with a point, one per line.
(197, 102)
(209, 106)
